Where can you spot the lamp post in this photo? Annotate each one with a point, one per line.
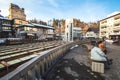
(0, 25)
(59, 25)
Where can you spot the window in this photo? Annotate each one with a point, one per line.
(71, 32)
(118, 17)
(67, 26)
(6, 28)
(117, 24)
(67, 36)
(20, 22)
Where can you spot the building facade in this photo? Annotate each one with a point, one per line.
(17, 14)
(35, 31)
(110, 27)
(77, 33)
(71, 32)
(5, 27)
(92, 33)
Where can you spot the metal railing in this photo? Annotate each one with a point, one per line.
(38, 67)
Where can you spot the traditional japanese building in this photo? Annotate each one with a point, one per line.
(16, 26)
(35, 31)
(17, 14)
(5, 27)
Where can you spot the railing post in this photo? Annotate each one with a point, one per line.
(29, 75)
(37, 72)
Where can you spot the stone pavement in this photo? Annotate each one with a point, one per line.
(76, 65)
(114, 53)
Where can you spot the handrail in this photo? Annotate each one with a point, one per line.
(36, 68)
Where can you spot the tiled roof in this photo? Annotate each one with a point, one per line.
(96, 30)
(1, 16)
(38, 25)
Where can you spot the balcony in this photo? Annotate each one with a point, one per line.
(103, 29)
(103, 24)
(116, 27)
(117, 17)
(115, 33)
(117, 21)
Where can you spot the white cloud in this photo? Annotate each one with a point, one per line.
(53, 3)
(4, 7)
(92, 11)
(114, 13)
(87, 11)
(29, 6)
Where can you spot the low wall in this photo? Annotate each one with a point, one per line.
(38, 67)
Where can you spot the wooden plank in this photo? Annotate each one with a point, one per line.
(14, 62)
(1, 66)
(4, 57)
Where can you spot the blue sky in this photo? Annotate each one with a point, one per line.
(85, 10)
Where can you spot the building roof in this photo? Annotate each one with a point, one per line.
(2, 17)
(43, 26)
(14, 6)
(95, 30)
(114, 13)
(110, 16)
(37, 25)
(29, 25)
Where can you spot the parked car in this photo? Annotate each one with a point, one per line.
(2, 41)
(110, 41)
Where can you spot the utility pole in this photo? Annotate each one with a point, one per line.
(0, 25)
(59, 25)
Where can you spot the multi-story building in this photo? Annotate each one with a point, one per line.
(35, 31)
(5, 27)
(110, 26)
(24, 30)
(17, 14)
(72, 32)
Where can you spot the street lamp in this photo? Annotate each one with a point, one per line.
(59, 25)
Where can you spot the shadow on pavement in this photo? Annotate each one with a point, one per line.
(69, 69)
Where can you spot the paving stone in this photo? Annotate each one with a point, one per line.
(57, 77)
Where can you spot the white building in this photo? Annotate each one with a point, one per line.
(71, 32)
(110, 26)
(92, 33)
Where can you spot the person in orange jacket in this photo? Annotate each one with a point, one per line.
(102, 46)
